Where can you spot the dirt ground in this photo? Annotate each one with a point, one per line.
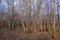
(19, 35)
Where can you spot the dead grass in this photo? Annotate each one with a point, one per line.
(18, 34)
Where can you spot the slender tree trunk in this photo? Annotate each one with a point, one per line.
(12, 14)
(54, 19)
(23, 24)
(22, 14)
(41, 16)
(41, 23)
(54, 15)
(48, 19)
(58, 13)
(1, 20)
(8, 15)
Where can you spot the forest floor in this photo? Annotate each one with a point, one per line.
(19, 35)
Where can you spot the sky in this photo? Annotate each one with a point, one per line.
(4, 5)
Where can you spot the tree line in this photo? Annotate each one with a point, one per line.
(31, 15)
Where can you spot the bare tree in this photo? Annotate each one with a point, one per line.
(8, 15)
(22, 11)
(12, 19)
(2, 17)
(58, 13)
(41, 17)
(54, 19)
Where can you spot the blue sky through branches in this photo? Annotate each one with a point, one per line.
(4, 5)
